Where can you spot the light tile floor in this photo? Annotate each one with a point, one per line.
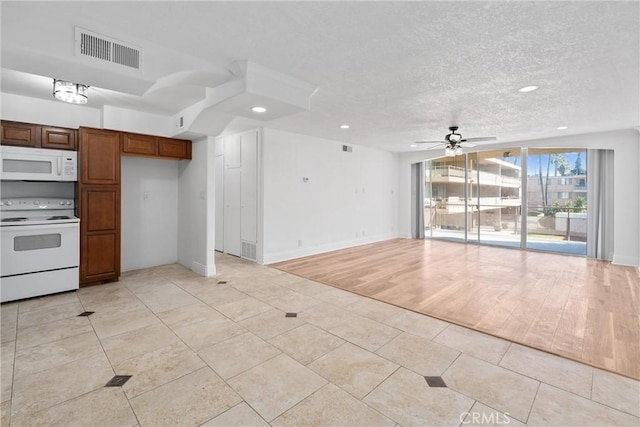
(202, 352)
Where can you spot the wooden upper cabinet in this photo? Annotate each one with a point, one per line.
(21, 134)
(99, 153)
(58, 138)
(38, 136)
(133, 143)
(174, 148)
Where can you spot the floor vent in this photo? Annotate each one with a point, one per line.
(86, 314)
(118, 381)
(249, 251)
(98, 47)
(435, 381)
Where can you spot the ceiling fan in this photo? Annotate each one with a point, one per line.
(453, 142)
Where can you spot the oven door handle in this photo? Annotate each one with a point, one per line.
(37, 227)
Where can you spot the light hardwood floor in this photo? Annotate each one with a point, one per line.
(580, 308)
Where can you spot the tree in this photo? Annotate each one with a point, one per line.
(543, 181)
(580, 204)
(577, 166)
(560, 164)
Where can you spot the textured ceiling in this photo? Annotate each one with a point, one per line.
(396, 72)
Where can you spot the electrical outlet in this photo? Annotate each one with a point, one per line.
(145, 195)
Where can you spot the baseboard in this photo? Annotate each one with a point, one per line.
(315, 250)
(626, 260)
(203, 270)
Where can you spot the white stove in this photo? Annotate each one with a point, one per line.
(40, 247)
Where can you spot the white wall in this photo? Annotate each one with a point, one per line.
(136, 121)
(11, 189)
(149, 212)
(48, 112)
(626, 145)
(196, 216)
(349, 199)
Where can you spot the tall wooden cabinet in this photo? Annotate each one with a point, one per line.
(99, 205)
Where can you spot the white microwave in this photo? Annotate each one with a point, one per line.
(38, 164)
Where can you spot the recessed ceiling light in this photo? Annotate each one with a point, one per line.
(527, 89)
(344, 126)
(258, 109)
(562, 127)
(413, 145)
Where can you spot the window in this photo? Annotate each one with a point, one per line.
(480, 197)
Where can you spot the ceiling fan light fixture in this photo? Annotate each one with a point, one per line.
(258, 109)
(73, 93)
(454, 137)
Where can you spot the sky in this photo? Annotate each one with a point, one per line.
(533, 163)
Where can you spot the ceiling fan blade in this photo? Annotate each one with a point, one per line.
(480, 139)
(467, 144)
(430, 142)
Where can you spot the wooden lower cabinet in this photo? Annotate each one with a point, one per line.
(99, 234)
(99, 245)
(100, 257)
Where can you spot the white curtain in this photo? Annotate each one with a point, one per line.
(600, 164)
(417, 200)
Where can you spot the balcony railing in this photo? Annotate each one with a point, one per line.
(446, 173)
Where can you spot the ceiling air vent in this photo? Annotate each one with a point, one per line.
(347, 148)
(98, 47)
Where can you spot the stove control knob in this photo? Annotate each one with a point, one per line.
(8, 203)
(36, 202)
(62, 202)
(69, 202)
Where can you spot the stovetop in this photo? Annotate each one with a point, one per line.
(37, 211)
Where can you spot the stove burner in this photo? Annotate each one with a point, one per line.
(14, 219)
(58, 217)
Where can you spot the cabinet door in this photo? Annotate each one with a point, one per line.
(133, 143)
(100, 257)
(21, 134)
(99, 233)
(99, 153)
(175, 148)
(99, 209)
(58, 138)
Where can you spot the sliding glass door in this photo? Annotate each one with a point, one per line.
(498, 197)
(479, 197)
(445, 209)
(557, 200)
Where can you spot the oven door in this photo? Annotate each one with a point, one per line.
(36, 248)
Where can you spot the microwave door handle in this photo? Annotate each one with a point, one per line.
(59, 166)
